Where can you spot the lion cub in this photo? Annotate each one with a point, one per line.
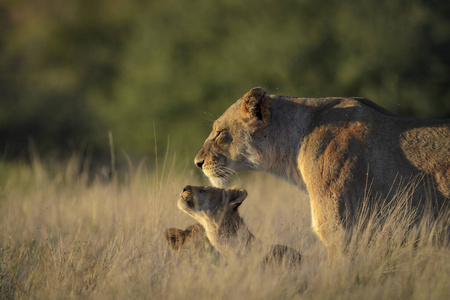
(217, 211)
(193, 237)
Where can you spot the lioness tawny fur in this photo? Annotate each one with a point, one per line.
(338, 149)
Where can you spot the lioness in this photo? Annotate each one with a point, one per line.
(335, 148)
(217, 211)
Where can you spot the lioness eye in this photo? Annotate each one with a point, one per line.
(217, 134)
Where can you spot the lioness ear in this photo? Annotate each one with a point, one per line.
(236, 197)
(175, 237)
(255, 108)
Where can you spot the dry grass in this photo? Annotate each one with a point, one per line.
(63, 237)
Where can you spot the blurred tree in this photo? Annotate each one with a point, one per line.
(72, 71)
(54, 55)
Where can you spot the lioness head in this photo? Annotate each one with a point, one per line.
(232, 145)
(209, 205)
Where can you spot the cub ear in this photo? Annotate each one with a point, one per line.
(175, 237)
(255, 108)
(236, 197)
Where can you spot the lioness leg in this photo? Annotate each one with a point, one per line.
(327, 224)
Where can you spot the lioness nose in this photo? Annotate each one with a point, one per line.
(199, 163)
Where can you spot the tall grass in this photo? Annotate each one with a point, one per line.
(64, 236)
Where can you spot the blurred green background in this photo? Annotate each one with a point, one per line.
(72, 71)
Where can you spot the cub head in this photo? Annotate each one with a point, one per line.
(176, 238)
(209, 205)
(233, 143)
(192, 237)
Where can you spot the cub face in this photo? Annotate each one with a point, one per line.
(232, 146)
(192, 237)
(210, 205)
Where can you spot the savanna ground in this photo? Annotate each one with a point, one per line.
(63, 235)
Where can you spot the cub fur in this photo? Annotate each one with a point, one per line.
(338, 149)
(217, 211)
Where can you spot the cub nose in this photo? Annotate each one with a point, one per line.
(199, 163)
(186, 188)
